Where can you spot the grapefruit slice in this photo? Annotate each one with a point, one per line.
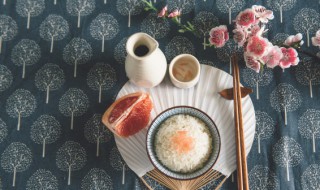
(129, 114)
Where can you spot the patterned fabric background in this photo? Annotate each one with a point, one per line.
(57, 56)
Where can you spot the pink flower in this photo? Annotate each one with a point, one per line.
(262, 13)
(252, 63)
(219, 36)
(174, 14)
(291, 40)
(316, 40)
(273, 56)
(240, 36)
(245, 18)
(257, 46)
(163, 11)
(290, 57)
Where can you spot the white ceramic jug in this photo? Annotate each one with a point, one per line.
(145, 64)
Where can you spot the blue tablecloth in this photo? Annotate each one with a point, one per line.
(48, 62)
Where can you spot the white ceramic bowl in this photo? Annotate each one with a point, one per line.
(184, 71)
(154, 127)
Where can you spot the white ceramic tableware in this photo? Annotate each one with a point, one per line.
(184, 71)
(145, 64)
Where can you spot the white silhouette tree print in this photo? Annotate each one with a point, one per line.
(77, 52)
(20, 104)
(104, 27)
(5, 78)
(53, 28)
(30, 8)
(48, 78)
(310, 179)
(101, 77)
(118, 163)
(155, 26)
(307, 22)
(254, 79)
(26, 52)
(279, 38)
(203, 22)
(80, 8)
(96, 132)
(285, 98)
(8, 29)
(3, 130)
(42, 179)
(73, 103)
(151, 182)
(71, 157)
(184, 6)
(178, 45)
(308, 73)
(120, 52)
(309, 126)
(287, 153)
(225, 53)
(129, 7)
(96, 179)
(230, 6)
(281, 5)
(264, 127)
(17, 157)
(261, 178)
(45, 130)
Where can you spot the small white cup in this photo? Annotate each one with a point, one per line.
(184, 71)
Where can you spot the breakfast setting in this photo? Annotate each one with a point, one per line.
(159, 94)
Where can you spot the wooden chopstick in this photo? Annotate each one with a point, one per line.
(242, 172)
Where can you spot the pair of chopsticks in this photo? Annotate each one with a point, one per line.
(242, 173)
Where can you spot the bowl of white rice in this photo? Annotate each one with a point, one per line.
(183, 142)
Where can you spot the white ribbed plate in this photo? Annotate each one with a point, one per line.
(203, 96)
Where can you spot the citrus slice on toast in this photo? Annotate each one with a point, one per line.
(129, 114)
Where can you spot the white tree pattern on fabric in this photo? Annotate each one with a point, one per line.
(80, 8)
(30, 8)
(96, 132)
(45, 130)
(3, 130)
(207, 62)
(8, 29)
(285, 98)
(17, 157)
(230, 6)
(48, 78)
(118, 163)
(120, 52)
(261, 178)
(281, 5)
(287, 153)
(178, 45)
(42, 180)
(71, 157)
(96, 179)
(152, 183)
(101, 77)
(77, 52)
(184, 6)
(309, 126)
(203, 22)
(20, 104)
(155, 26)
(279, 38)
(308, 73)
(5, 78)
(264, 127)
(73, 103)
(254, 79)
(307, 22)
(225, 53)
(53, 28)
(26, 52)
(310, 179)
(129, 8)
(104, 27)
